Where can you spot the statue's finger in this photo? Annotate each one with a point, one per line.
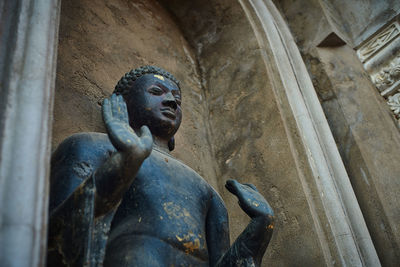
(130, 117)
(145, 131)
(119, 108)
(114, 105)
(232, 186)
(252, 186)
(124, 108)
(146, 137)
(106, 110)
(113, 97)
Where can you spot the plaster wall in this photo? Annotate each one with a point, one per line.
(247, 134)
(232, 125)
(102, 40)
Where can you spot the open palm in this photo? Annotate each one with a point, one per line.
(122, 136)
(250, 200)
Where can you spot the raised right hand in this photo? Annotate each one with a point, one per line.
(123, 138)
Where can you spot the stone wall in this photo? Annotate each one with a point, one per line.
(102, 40)
(231, 127)
(247, 134)
(363, 125)
(233, 124)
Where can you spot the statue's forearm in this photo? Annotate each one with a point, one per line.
(250, 246)
(113, 178)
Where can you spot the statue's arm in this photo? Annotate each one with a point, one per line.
(217, 227)
(71, 220)
(73, 163)
(87, 184)
(116, 174)
(86, 155)
(249, 248)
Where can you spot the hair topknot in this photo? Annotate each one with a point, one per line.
(126, 82)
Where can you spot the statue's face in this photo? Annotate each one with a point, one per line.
(155, 101)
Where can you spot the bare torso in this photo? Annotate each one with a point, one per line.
(166, 214)
(162, 217)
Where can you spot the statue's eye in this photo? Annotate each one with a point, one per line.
(156, 91)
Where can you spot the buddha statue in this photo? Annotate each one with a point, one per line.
(121, 199)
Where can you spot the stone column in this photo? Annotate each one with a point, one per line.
(29, 30)
(352, 244)
(346, 45)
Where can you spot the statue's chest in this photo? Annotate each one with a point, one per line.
(169, 189)
(169, 201)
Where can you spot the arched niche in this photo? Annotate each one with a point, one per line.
(248, 111)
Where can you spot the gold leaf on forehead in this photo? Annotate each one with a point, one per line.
(159, 77)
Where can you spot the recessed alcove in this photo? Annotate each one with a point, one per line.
(251, 73)
(232, 126)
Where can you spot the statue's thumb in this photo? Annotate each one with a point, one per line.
(145, 136)
(231, 186)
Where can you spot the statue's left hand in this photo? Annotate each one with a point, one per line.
(250, 200)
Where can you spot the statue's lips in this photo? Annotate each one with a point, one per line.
(168, 112)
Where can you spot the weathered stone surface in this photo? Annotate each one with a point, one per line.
(237, 133)
(369, 144)
(256, 147)
(235, 129)
(28, 49)
(353, 20)
(99, 42)
(359, 118)
(380, 55)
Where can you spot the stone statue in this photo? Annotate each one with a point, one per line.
(120, 199)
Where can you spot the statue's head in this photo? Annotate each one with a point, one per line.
(153, 98)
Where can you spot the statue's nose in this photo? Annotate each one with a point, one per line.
(170, 101)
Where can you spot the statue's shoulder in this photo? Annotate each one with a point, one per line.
(74, 161)
(81, 142)
(82, 147)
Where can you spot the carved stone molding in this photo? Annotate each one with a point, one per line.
(388, 79)
(381, 39)
(380, 55)
(394, 104)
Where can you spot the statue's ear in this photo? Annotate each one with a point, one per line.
(171, 144)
